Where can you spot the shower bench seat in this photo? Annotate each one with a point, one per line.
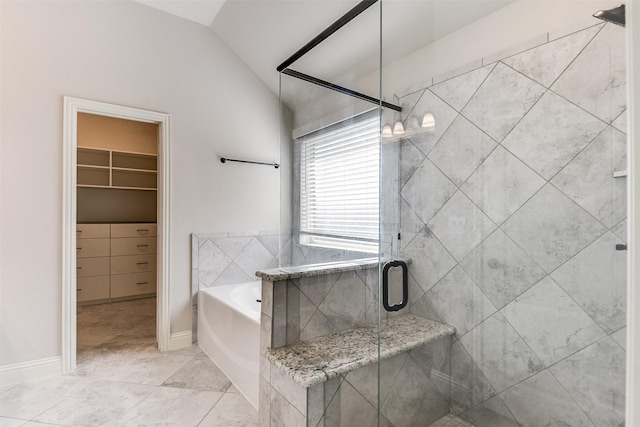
(320, 359)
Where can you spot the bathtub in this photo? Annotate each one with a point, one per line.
(229, 333)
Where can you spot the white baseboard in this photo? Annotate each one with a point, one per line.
(32, 370)
(180, 340)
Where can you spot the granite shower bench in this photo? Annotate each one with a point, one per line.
(319, 359)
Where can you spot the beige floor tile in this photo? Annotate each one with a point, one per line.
(192, 350)
(231, 410)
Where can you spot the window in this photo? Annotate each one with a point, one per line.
(339, 180)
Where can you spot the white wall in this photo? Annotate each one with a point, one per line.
(123, 53)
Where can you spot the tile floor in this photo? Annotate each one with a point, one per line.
(122, 380)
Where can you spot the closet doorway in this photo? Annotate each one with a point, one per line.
(115, 230)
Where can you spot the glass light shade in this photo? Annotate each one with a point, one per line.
(386, 132)
(398, 128)
(428, 121)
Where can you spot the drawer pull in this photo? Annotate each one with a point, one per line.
(78, 231)
(142, 283)
(78, 267)
(143, 231)
(78, 290)
(77, 249)
(142, 263)
(142, 246)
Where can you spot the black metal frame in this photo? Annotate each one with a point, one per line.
(341, 22)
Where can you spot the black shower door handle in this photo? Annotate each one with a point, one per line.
(385, 285)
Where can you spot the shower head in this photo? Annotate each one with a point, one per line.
(615, 15)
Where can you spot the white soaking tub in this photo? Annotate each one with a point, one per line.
(229, 333)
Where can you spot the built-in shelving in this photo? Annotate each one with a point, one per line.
(101, 168)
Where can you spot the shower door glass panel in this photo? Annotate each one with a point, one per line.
(512, 212)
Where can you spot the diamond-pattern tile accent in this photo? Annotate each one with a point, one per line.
(460, 225)
(502, 100)
(596, 80)
(550, 322)
(501, 269)
(589, 180)
(211, 263)
(410, 159)
(545, 63)
(556, 128)
(427, 200)
(459, 90)
(410, 223)
(501, 185)
(551, 228)
(596, 280)
(253, 257)
(461, 150)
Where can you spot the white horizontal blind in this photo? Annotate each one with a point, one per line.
(339, 185)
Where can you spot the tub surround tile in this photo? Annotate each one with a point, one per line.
(435, 261)
(501, 269)
(233, 274)
(97, 404)
(458, 89)
(232, 246)
(365, 379)
(293, 392)
(253, 257)
(551, 228)
(199, 374)
(550, 322)
(211, 263)
(462, 148)
(345, 304)
(427, 203)
(501, 185)
(589, 181)
(317, 360)
(460, 302)
(596, 280)
(284, 413)
(460, 225)
(271, 243)
(543, 388)
(299, 312)
(596, 80)
(502, 100)
(595, 378)
(231, 410)
(317, 326)
(545, 63)
(501, 353)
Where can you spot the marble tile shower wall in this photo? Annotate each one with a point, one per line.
(230, 257)
(510, 212)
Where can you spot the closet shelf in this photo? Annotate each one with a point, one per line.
(122, 170)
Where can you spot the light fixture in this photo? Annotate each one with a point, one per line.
(414, 126)
(398, 128)
(428, 121)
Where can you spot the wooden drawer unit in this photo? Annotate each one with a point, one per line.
(92, 231)
(134, 230)
(124, 285)
(86, 248)
(88, 267)
(133, 264)
(92, 289)
(133, 246)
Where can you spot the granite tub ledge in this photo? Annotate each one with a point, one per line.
(320, 359)
(311, 270)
